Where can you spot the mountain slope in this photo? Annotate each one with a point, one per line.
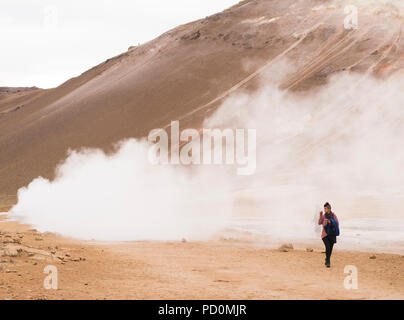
(185, 74)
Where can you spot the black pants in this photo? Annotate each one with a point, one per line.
(329, 242)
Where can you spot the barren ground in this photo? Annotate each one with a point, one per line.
(220, 269)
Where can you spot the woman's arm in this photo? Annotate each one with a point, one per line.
(321, 218)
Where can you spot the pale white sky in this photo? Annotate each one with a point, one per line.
(44, 43)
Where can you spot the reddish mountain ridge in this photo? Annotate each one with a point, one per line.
(184, 75)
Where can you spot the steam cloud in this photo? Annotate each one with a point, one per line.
(341, 143)
(124, 197)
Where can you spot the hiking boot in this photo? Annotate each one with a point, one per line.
(327, 264)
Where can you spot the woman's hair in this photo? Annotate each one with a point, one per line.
(327, 205)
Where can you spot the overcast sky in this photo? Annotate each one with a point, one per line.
(44, 43)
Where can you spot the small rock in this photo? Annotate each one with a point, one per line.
(287, 246)
(10, 252)
(309, 249)
(195, 35)
(10, 271)
(372, 257)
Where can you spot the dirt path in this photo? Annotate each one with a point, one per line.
(225, 269)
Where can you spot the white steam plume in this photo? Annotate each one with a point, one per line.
(340, 143)
(124, 197)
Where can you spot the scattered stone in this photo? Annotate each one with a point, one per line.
(11, 252)
(38, 239)
(67, 255)
(82, 259)
(10, 271)
(372, 257)
(196, 35)
(287, 246)
(309, 249)
(75, 259)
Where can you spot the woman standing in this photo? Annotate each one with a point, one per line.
(330, 223)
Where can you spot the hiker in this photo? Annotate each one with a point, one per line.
(330, 224)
